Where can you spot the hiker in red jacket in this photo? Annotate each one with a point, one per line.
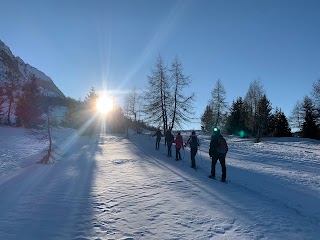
(179, 145)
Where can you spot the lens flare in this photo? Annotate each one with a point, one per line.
(104, 104)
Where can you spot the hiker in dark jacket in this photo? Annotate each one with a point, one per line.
(158, 139)
(169, 139)
(217, 151)
(193, 142)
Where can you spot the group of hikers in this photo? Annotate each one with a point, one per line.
(217, 150)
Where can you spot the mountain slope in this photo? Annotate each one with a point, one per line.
(14, 68)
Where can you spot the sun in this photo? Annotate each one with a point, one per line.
(104, 104)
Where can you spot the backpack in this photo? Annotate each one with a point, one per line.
(222, 146)
(194, 142)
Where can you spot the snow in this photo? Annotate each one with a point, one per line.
(123, 188)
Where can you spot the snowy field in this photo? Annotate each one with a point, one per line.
(125, 189)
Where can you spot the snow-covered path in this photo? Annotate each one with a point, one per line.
(125, 189)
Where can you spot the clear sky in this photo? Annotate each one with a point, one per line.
(114, 44)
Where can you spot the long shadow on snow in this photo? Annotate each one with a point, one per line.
(272, 193)
(52, 200)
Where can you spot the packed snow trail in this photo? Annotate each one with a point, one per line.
(125, 189)
(271, 199)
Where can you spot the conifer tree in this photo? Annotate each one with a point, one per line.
(89, 114)
(281, 125)
(91, 100)
(132, 108)
(207, 119)
(157, 96)
(309, 127)
(262, 117)
(297, 116)
(316, 97)
(72, 118)
(218, 104)
(29, 110)
(251, 101)
(10, 87)
(182, 105)
(236, 118)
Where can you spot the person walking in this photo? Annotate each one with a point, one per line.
(193, 142)
(169, 139)
(179, 144)
(158, 138)
(218, 151)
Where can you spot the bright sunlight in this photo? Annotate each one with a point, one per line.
(104, 104)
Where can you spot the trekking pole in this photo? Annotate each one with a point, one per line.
(200, 156)
(184, 153)
(183, 156)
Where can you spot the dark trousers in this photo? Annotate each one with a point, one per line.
(193, 152)
(222, 159)
(158, 143)
(178, 155)
(169, 144)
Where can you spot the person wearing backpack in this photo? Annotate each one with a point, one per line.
(158, 139)
(193, 142)
(169, 138)
(218, 151)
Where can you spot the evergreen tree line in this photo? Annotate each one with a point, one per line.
(83, 115)
(252, 115)
(33, 108)
(24, 101)
(165, 105)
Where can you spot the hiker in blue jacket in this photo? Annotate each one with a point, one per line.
(217, 151)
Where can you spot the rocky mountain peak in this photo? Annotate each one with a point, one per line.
(14, 66)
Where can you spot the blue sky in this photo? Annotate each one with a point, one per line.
(114, 44)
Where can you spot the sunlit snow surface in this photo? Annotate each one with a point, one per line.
(117, 188)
